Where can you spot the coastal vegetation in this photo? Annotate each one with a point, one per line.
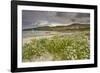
(58, 47)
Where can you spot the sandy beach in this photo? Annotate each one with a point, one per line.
(27, 40)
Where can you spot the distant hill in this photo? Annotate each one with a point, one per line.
(65, 28)
(75, 26)
(79, 25)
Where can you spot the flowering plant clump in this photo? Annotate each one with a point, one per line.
(66, 47)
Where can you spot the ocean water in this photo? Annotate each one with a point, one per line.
(32, 33)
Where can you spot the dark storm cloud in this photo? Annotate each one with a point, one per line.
(60, 14)
(32, 18)
(82, 15)
(72, 16)
(66, 15)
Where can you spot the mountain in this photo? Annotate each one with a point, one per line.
(74, 26)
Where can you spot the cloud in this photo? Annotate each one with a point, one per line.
(32, 18)
(82, 15)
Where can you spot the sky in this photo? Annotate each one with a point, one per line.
(33, 19)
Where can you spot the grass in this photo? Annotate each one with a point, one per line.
(71, 47)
